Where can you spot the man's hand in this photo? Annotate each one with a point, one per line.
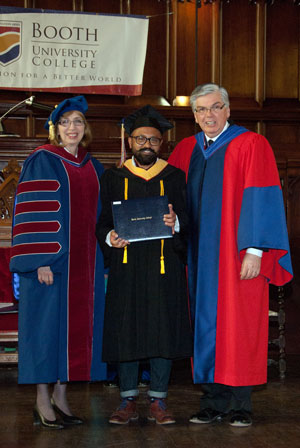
(170, 218)
(45, 275)
(250, 267)
(117, 242)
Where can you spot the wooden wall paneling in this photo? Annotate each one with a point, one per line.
(287, 133)
(106, 128)
(260, 53)
(238, 68)
(103, 6)
(154, 82)
(66, 5)
(185, 73)
(168, 49)
(17, 148)
(216, 44)
(78, 5)
(185, 128)
(172, 51)
(260, 127)
(184, 124)
(40, 131)
(16, 125)
(282, 51)
(188, 75)
(208, 43)
(293, 203)
(283, 175)
(251, 125)
(16, 3)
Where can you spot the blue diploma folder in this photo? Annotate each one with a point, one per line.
(141, 219)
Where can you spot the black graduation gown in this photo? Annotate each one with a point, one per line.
(146, 313)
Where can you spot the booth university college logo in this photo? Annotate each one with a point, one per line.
(10, 41)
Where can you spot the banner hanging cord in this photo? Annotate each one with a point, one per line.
(158, 15)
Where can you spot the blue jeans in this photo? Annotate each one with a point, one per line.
(160, 370)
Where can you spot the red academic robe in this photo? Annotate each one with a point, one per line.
(235, 202)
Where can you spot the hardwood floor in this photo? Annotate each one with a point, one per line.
(276, 419)
(276, 410)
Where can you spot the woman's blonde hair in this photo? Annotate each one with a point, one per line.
(87, 136)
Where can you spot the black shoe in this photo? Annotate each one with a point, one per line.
(66, 419)
(207, 416)
(240, 419)
(39, 419)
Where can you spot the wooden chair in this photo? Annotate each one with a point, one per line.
(8, 305)
(277, 355)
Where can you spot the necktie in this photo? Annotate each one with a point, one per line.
(210, 142)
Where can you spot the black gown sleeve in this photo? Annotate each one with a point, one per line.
(178, 199)
(105, 222)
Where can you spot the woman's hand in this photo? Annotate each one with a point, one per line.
(45, 275)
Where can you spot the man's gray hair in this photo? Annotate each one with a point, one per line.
(206, 89)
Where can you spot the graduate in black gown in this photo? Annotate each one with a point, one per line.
(146, 314)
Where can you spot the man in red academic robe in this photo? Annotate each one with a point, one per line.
(238, 244)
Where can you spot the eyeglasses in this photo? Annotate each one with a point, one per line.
(65, 122)
(141, 140)
(213, 109)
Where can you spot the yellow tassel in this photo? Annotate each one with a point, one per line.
(125, 255)
(162, 188)
(125, 197)
(126, 188)
(51, 127)
(162, 258)
(123, 149)
(51, 131)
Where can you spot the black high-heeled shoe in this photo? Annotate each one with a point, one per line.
(39, 419)
(66, 419)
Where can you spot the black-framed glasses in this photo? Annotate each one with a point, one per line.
(141, 140)
(65, 122)
(216, 108)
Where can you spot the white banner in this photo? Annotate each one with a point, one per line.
(72, 52)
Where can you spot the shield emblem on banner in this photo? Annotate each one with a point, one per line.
(10, 41)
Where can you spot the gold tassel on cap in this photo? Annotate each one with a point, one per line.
(52, 127)
(123, 149)
(51, 130)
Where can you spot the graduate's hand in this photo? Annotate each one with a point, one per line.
(250, 267)
(170, 218)
(45, 275)
(117, 242)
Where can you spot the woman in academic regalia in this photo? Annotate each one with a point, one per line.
(60, 267)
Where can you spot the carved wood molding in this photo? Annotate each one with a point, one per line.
(106, 150)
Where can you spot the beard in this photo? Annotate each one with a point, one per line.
(145, 158)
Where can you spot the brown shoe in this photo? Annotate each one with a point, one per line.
(159, 413)
(125, 413)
